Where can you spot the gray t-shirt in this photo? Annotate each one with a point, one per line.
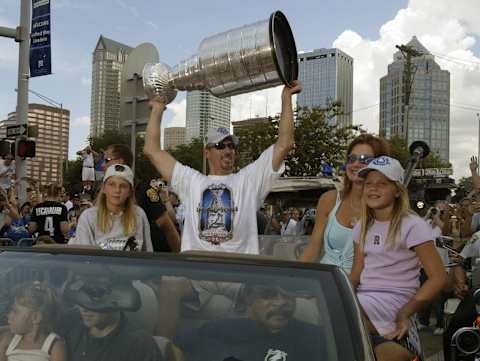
(88, 233)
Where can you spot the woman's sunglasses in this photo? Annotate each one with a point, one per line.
(362, 158)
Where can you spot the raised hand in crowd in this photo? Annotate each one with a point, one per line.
(474, 170)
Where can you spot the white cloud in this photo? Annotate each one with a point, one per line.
(445, 31)
(81, 122)
(257, 104)
(179, 110)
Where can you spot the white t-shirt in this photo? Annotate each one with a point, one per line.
(5, 180)
(87, 232)
(289, 228)
(88, 160)
(472, 247)
(220, 211)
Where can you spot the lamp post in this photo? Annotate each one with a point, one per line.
(21, 34)
(478, 118)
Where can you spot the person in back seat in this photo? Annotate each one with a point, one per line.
(104, 333)
(269, 332)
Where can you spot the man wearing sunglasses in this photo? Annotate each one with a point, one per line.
(220, 209)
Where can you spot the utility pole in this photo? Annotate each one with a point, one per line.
(21, 34)
(408, 53)
(478, 119)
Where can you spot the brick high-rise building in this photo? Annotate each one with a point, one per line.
(53, 126)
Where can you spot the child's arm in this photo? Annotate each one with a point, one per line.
(58, 352)
(436, 282)
(5, 338)
(358, 264)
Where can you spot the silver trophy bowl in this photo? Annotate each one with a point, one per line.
(253, 57)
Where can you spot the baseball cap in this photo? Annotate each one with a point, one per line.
(119, 170)
(389, 167)
(216, 135)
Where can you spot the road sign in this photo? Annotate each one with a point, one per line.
(16, 130)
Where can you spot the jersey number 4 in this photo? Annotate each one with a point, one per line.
(49, 226)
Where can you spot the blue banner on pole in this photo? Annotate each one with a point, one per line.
(40, 51)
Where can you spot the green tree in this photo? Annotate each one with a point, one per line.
(315, 141)
(466, 183)
(190, 154)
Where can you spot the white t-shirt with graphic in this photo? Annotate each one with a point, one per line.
(88, 233)
(220, 211)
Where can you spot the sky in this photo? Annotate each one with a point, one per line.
(367, 30)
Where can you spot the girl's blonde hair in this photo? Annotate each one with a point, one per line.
(41, 298)
(401, 208)
(105, 220)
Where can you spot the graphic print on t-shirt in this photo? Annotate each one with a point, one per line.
(121, 244)
(276, 355)
(216, 212)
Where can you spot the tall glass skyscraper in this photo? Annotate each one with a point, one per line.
(427, 117)
(205, 111)
(327, 76)
(108, 59)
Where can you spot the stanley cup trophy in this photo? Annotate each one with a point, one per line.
(253, 57)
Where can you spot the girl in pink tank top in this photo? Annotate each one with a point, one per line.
(31, 320)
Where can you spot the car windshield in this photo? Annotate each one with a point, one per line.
(174, 308)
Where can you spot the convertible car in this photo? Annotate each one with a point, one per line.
(192, 306)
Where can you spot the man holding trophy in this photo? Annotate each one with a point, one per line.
(220, 209)
(233, 198)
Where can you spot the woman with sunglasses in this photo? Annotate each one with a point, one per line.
(338, 211)
(116, 222)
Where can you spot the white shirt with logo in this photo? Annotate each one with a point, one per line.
(88, 233)
(220, 211)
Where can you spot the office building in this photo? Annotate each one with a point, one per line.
(53, 126)
(427, 116)
(327, 76)
(109, 57)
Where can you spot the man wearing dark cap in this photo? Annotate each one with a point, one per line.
(103, 332)
(220, 209)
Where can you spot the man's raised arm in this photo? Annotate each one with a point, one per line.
(285, 141)
(160, 159)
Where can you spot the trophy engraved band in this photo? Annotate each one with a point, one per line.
(252, 57)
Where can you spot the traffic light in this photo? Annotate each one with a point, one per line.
(5, 148)
(26, 149)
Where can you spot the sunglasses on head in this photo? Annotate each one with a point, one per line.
(362, 158)
(223, 145)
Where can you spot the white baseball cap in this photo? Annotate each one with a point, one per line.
(216, 135)
(389, 167)
(119, 170)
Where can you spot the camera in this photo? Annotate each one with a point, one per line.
(466, 340)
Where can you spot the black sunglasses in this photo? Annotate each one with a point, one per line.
(362, 158)
(222, 145)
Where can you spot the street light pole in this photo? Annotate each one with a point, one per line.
(478, 118)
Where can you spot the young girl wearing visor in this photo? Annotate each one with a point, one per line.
(390, 243)
(116, 222)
